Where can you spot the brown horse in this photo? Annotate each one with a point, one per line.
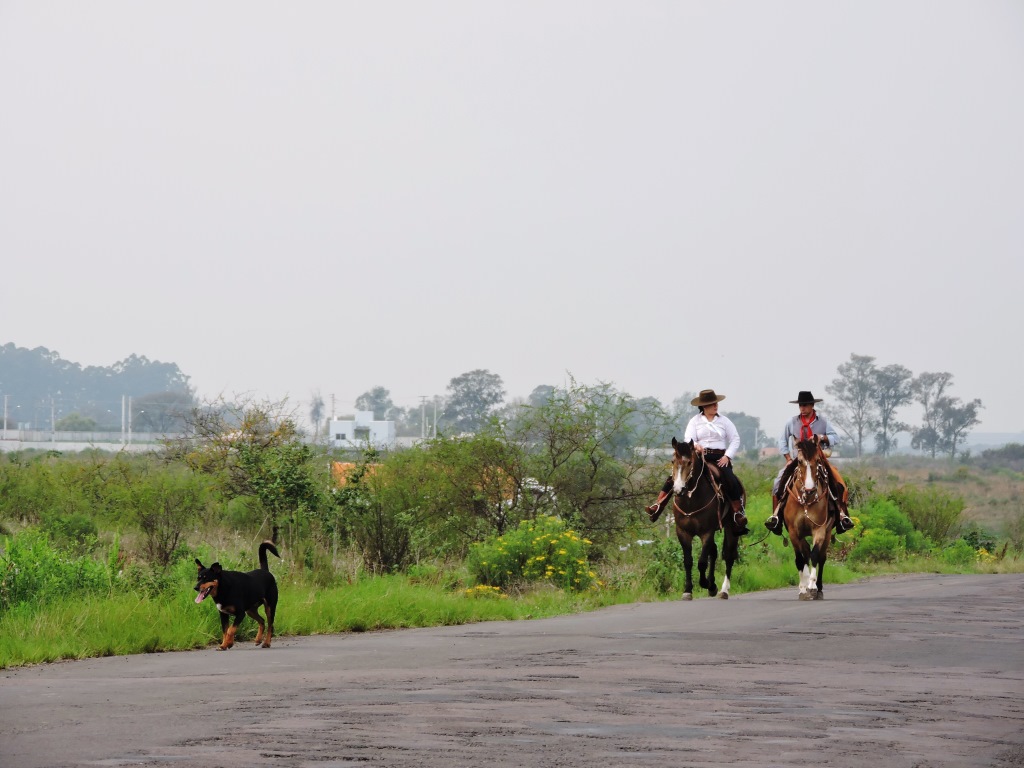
(807, 517)
(699, 506)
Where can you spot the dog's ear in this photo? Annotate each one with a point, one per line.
(215, 568)
(201, 566)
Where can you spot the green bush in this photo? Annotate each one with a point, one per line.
(32, 570)
(75, 532)
(979, 538)
(887, 533)
(959, 553)
(666, 565)
(878, 545)
(537, 550)
(933, 511)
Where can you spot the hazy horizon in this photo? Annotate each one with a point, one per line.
(665, 196)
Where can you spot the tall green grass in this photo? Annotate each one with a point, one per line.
(58, 605)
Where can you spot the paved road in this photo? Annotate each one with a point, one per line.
(917, 671)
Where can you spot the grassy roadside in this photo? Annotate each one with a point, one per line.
(123, 624)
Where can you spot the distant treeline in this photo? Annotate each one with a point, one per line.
(43, 390)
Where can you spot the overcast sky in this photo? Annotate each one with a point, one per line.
(285, 198)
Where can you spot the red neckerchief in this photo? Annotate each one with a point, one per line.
(805, 426)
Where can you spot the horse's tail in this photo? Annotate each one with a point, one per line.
(263, 554)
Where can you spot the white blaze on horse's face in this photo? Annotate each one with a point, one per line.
(808, 475)
(678, 482)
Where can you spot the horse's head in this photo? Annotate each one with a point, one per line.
(809, 456)
(683, 462)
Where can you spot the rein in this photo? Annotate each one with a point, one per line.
(717, 496)
(820, 479)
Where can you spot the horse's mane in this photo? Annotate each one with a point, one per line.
(808, 448)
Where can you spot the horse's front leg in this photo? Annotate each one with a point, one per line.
(802, 556)
(730, 553)
(685, 541)
(819, 554)
(706, 563)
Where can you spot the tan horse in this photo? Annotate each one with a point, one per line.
(807, 517)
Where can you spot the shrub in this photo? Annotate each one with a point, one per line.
(32, 570)
(883, 513)
(959, 553)
(165, 505)
(859, 485)
(537, 550)
(666, 565)
(878, 545)
(887, 535)
(979, 538)
(75, 532)
(933, 511)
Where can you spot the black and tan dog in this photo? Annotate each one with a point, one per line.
(237, 593)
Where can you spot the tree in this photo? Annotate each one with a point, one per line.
(893, 389)
(254, 451)
(854, 393)
(473, 398)
(749, 427)
(583, 444)
(955, 420)
(316, 413)
(680, 414)
(162, 412)
(541, 395)
(377, 400)
(28, 376)
(75, 422)
(929, 389)
(166, 505)
(652, 421)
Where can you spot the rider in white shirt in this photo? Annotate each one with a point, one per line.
(716, 437)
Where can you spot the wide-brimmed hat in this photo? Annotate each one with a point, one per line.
(806, 398)
(706, 397)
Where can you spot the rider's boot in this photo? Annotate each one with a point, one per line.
(654, 510)
(739, 519)
(843, 521)
(774, 523)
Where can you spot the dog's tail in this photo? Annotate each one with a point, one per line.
(263, 554)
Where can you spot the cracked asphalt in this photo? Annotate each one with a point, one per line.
(914, 671)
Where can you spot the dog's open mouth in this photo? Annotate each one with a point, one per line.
(204, 591)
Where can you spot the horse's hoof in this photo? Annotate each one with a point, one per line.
(687, 596)
(818, 596)
(712, 592)
(806, 596)
(723, 595)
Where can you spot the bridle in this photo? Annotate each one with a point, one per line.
(808, 497)
(690, 489)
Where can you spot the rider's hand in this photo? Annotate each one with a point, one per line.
(724, 461)
(824, 442)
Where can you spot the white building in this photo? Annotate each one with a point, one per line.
(361, 431)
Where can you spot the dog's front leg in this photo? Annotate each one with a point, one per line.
(228, 631)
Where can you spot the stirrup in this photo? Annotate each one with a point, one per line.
(844, 524)
(774, 524)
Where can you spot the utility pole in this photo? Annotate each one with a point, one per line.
(423, 417)
(435, 417)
